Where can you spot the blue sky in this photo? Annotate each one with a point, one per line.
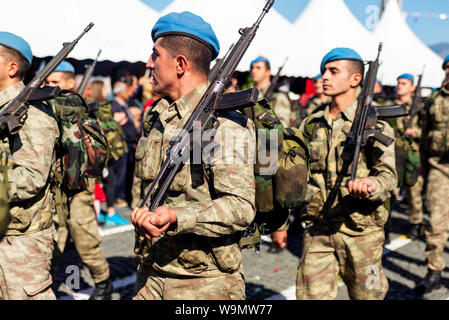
(430, 31)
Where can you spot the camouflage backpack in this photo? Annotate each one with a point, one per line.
(408, 161)
(112, 130)
(280, 186)
(5, 216)
(82, 151)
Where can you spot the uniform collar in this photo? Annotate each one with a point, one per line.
(10, 93)
(348, 114)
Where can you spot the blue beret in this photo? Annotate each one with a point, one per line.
(340, 54)
(317, 77)
(16, 43)
(407, 76)
(446, 60)
(259, 59)
(189, 25)
(65, 66)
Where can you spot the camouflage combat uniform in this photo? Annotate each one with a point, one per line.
(413, 194)
(26, 249)
(314, 102)
(84, 231)
(435, 147)
(343, 235)
(280, 104)
(199, 258)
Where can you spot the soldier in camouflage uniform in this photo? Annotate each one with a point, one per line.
(435, 150)
(317, 100)
(260, 71)
(404, 95)
(26, 247)
(82, 221)
(344, 219)
(198, 256)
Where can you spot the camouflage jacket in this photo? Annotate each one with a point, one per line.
(328, 202)
(435, 134)
(211, 207)
(314, 102)
(33, 156)
(280, 104)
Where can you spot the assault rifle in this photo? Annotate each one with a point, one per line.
(12, 116)
(213, 72)
(366, 117)
(415, 104)
(275, 82)
(87, 75)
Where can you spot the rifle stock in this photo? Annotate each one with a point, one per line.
(12, 116)
(415, 103)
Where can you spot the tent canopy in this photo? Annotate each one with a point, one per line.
(122, 30)
(403, 52)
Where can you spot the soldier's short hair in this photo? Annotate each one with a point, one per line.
(12, 55)
(356, 66)
(198, 54)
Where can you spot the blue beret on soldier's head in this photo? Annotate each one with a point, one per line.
(16, 43)
(446, 60)
(407, 76)
(317, 77)
(189, 25)
(340, 54)
(259, 59)
(65, 66)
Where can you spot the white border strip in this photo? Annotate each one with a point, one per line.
(110, 231)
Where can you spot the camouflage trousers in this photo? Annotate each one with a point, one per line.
(84, 231)
(437, 199)
(357, 259)
(25, 266)
(415, 201)
(152, 285)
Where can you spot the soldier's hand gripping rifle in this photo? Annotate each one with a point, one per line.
(87, 75)
(12, 116)
(275, 82)
(211, 103)
(365, 121)
(415, 105)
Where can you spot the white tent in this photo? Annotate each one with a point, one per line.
(403, 52)
(121, 28)
(227, 17)
(324, 25)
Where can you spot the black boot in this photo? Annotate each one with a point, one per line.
(413, 232)
(430, 282)
(103, 291)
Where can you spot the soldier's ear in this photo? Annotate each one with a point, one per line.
(13, 69)
(182, 64)
(356, 80)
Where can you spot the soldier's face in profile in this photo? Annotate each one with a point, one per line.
(59, 79)
(259, 72)
(404, 87)
(446, 70)
(319, 86)
(336, 78)
(163, 66)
